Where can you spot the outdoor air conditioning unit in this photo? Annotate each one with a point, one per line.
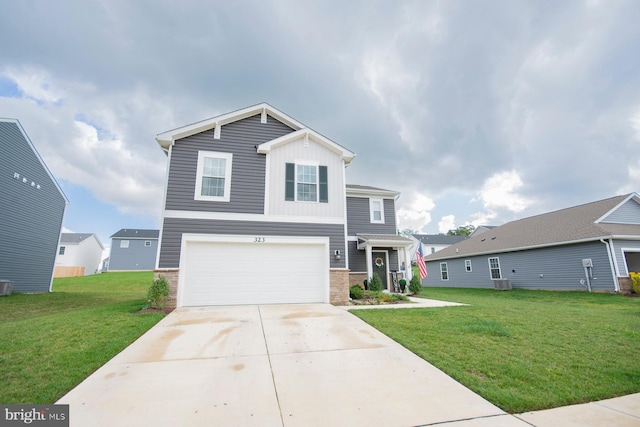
(502, 284)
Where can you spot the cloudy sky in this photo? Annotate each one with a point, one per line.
(478, 112)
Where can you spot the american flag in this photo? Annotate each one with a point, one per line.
(420, 260)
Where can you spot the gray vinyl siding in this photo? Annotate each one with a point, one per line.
(554, 268)
(359, 219)
(136, 257)
(620, 247)
(358, 258)
(174, 227)
(628, 213)
(248, 167)
(31, 217)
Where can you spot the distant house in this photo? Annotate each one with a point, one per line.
(133, 249)
(79, 254)
(587, 247)
(481, 229)
(432, 243)
(33, 206)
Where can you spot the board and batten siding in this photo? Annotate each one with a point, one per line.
(31, 217)
(553, 268)
(359, 219)
(310, 153)
(173, 228)
(247, 170)
(136, 257)
(627, 213)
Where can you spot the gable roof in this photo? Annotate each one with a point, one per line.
(564, 226)
(307, 133)
(33, 148)
(76, 238)
(136, 233)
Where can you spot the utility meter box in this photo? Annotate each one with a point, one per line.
(587, 262)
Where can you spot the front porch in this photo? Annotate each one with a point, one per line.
(385, 255)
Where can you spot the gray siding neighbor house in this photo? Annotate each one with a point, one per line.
(133, 249)
(255, 212)
(33, 208)
(587, 247)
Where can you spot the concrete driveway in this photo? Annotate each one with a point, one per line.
(276, 365)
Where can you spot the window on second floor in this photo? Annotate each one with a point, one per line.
(376, 211)
(147, 243)
(213, 179)
(124, 244)
(306, 182)
(61, 251)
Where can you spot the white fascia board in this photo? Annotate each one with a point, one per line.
(634, 196)
(368, 193)
(266, 147)
(231, 216)
(168, 138)
(385, 244)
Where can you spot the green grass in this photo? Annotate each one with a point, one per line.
(50, 342)
(525, 350)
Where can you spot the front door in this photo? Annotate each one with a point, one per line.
(379, 262)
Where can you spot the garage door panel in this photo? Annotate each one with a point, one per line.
(222, 273)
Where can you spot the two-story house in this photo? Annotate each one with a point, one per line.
(256, 211)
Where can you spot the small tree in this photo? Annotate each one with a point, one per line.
(158, 293)
(375, 284)
(415, 285)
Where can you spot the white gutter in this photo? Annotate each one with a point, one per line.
(612, 263)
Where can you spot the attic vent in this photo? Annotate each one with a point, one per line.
(263, 116)
(216, 131)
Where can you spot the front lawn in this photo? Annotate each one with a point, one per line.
(50, 342)
(525, 350)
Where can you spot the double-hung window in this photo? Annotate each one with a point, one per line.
(467, 265)
(213, 180)
(494, 268)
(306, 182)
(124, 244)
(444, 271)
(376, 211)
(61, 251)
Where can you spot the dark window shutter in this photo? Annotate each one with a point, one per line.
(290, 183)
(324, 184)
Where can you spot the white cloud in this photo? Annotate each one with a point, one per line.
(446, 223)
(500, 191)
(416, 214)
(634, 120)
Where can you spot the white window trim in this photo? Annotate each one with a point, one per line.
(227, 177)
(371, 218)
(499, 268)
(124, 244)
(467, 266)
(446, 271)
(147, 243)
(295, 180)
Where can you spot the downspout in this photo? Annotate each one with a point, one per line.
(612, 263)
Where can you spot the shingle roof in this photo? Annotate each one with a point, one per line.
(74, 238)
(554, 228)
(135, 233)
(439, 239)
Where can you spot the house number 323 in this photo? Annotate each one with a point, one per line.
(259, 240)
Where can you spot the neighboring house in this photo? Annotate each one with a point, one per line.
(432, 243)
(481, 229)
(79, 254)
(133, 249)
(33, 207)
(588, 247)
(256, 210)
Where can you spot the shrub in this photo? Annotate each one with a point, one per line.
(415, 285)
(356, 292)
(635, 282)
(403, 284)
(375, 284)
(158, 293)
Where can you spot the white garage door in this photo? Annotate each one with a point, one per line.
(272, 271)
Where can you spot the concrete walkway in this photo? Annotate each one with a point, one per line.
(285, 365)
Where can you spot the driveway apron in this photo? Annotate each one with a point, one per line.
(272, 365)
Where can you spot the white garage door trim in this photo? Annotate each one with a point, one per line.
(187, 238)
